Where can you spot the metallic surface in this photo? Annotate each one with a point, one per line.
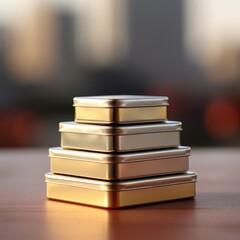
(87, 142)
(121, 115)
(122, 193)
(93, 115)
(120, 109)
(120, 138)
(118, 166)
(167, 126)
(120, 101)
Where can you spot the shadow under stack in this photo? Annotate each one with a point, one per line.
(120, 151)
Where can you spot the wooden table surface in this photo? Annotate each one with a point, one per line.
(25, 213)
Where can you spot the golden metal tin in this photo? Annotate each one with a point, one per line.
(120, 138)
(120, 109)
(108, 166)
(117, 194)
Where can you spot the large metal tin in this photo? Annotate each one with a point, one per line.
(120, 138)
(117, 194)
(108, 166)
(120, 109)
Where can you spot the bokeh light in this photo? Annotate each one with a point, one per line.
(221, 118)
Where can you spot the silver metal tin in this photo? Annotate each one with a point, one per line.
(116, 194)
(108, 166)
(120, 138)
(120, 109)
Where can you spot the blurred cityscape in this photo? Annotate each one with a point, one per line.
(54, 50)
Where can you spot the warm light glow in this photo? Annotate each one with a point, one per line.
(212, 38)
(221, 118)
(211, 24)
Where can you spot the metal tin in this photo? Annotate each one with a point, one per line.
(120, 138)
(108, 166)
(120, 109)
(117, 194)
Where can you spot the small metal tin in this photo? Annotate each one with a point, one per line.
(120, 109)
(117, 194)
(120, 138)
(109, 166)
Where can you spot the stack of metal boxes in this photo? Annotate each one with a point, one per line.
(120, 151)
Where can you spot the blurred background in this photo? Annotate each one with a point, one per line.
(53, 50)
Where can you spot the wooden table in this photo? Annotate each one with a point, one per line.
(25, 213)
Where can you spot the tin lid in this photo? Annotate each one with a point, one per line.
(118, 157)
(123, 101)
(167, 126)
(124, 185)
